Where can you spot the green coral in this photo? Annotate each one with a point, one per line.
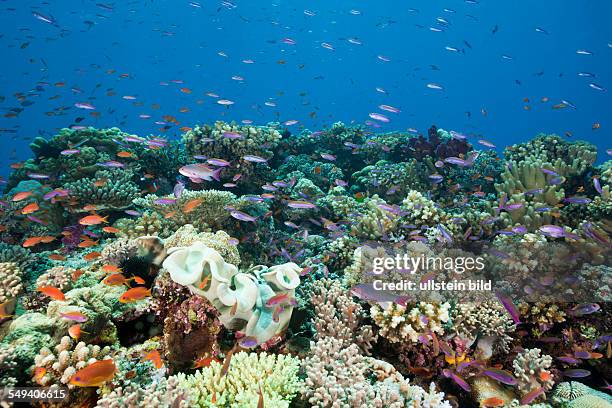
(210, 141)
(117, 192)
(393, 180)
(275, 375)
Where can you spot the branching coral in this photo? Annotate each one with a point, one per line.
(10, 276)
(275, 376)
(106, 190)
(338, 376)
(531, 371)
(66, 359)
(338, 316)
(402, 323)
(393, 180)
(488, 321)
(160, 394)
(544, 315)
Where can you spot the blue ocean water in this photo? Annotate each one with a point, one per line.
(502, 66)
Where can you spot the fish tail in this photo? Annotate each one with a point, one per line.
(216, 174)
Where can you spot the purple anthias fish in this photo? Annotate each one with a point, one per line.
(254, 159)
(513, 207)
(38, 176)
(232, 135)
(584, 309)
(70, 152)
(133, 212)
(436, 178)
(510, 307)
(502, 376)
(553, 231)
(445, 234)
(179, 187)
(577, 200)
(456, 160)
(239, 215)
(111, 164)
(534, 191)
(199, 172)
(569, 360)
(165, 201)
(597, 185)
(551, 172)
(328, 156)
(576, 373)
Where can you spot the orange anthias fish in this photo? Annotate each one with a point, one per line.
(94, 374)
(493, 402)
(57, 257)
(22, 196)
(77, 274)
(88, 243)
(100, 182)
(139, 280)
(52, 292)
(116, 279)
(93, 220)
(135, 294)
(155, 358)
(111, 269)
(191, 205)
(110, 230)
(30, 208)
(204, 362)
(91, 256)
(30, 242)
(39, 373)
(75, 331)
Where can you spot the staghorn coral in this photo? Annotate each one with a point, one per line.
(117, 192)
(405, 323)
(66, 359)
(531, 371)
(337, 315)
(274, 375)
(10, 276)
(339, 376)
(163, 393)
(487, 321)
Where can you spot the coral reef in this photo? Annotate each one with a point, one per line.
(237, 268)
